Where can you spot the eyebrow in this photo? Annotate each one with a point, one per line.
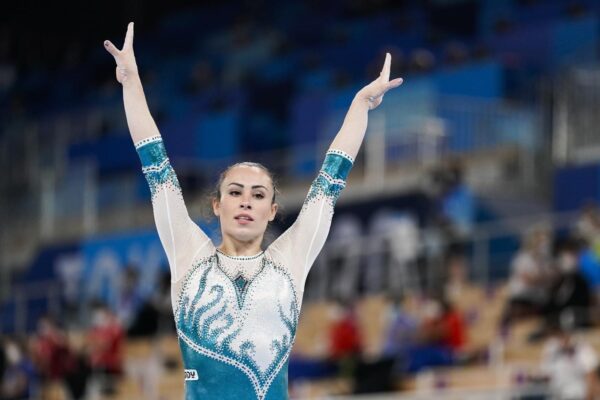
(253, 187)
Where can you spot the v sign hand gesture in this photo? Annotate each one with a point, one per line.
(126, 65)
(374, 91)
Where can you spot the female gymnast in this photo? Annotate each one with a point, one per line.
(236, 305)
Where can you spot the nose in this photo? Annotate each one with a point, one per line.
(245, 204)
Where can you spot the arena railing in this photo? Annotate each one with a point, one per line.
(462, 394)
(337, 270)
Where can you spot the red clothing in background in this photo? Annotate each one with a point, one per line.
(454, 326)
(106, 344)
(344, 338)
(52, 355)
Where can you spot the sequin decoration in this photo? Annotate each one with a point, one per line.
(337, 165)
(147, 140)
(156, 166)
(241, 285)
(254, 336)
(341, 153)
(331, 179)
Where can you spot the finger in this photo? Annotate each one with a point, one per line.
(385, 72)
(395, 83)
(111, 48)
(129, 36)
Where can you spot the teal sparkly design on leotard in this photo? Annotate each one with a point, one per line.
(254, 336)
(236, 316)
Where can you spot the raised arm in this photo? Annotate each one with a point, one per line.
(181, 238)
(140, 122)
(299, 246)
(352, 132)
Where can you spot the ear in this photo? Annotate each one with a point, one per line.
(216, 205)
(274, 208)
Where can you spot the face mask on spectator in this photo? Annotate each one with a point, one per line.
(13, 354)
(432, 310)
(567, 262)
(99, 318)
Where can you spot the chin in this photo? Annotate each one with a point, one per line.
(243, 236)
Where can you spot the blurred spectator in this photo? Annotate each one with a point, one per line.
(586, 223)
(570, 292)
(77, 377)
(385, 373)
(344, 338)
(50, 351)
(569, 363)
(399, 338)
(55, 361)
(587, 226)
(130, 299)
(146, 322)
(105, 342)
(456, 276)
(457, 203)
(440, 339)
(589, 266)
(401, 331)
(446, 329)
(19, 380)
(69, 268)
(530, 277)
(344, 335)
(161, 301)
(454, 217)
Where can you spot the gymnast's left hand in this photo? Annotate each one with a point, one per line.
(373, 93)
(126, 70)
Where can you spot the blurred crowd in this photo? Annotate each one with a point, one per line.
(82, 352)
(54, 356)
(554, 283)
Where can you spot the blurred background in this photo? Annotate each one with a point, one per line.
(463, 261)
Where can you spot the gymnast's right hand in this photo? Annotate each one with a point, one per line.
(126, 66)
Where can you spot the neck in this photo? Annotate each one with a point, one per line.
(233, 247)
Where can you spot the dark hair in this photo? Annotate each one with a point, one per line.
(217, 190)
(568, 245)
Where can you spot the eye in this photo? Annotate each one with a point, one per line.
(234, 192)
(259, 195)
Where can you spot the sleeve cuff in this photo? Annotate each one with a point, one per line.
(337, 164)
(151, 151)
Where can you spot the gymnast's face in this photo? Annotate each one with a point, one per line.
(245, 206)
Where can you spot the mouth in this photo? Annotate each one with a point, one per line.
(244, 219)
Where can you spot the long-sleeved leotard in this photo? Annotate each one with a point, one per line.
(236, 316)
